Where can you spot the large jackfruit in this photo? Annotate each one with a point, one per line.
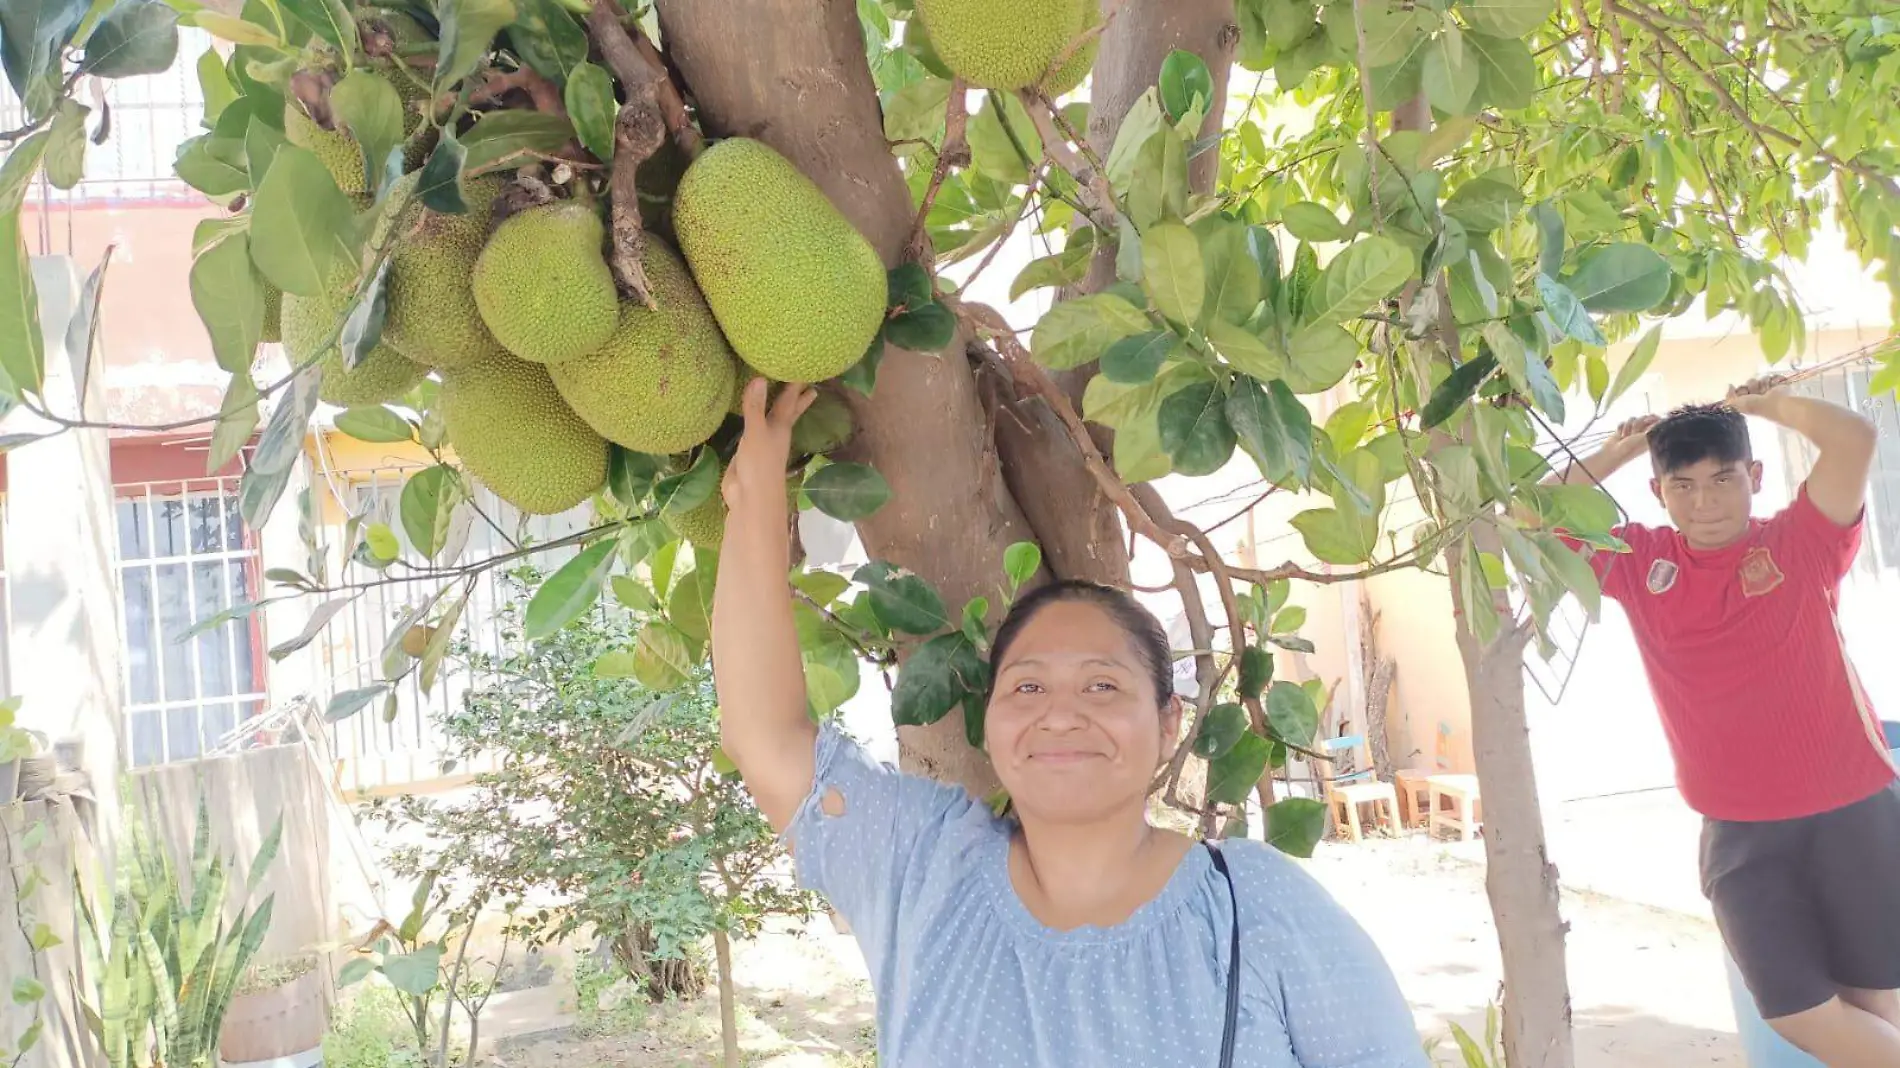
(308, 322)
(432, 318)
(273, 315)
(543, 288)
(798, 290)
(511, 430)
(335, 149)
(1009, 44)
(660, 384)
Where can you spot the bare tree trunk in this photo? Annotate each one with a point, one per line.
(1519, 877)
(728, 998)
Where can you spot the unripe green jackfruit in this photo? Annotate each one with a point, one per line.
(798, 290)
(432, 318)
(308, 322)
(511, 430)
(826, 425)
(1009, 44)
(273, 315)
(660, 384)
(704, 525)
(335, 149)
(542, 286)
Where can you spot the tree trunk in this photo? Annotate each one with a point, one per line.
(728, 999)
(1519, 877)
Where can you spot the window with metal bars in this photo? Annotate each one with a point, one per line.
(185, 556)
(1848, 386)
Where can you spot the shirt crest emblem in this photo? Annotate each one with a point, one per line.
(1759, 572)
(1662, 575)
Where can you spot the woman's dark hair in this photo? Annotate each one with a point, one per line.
(1143, 629)
(1699, 432)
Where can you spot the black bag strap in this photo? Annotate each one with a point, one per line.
(1229, 1029)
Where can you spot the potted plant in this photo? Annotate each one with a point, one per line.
(278, 1016)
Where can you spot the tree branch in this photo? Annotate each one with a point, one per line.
(1098, 199)
(641, 72)
(954, 153)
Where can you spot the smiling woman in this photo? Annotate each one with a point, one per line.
(1073, 932)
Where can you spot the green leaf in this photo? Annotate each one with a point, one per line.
(1368, 271)
(1507, 18)
(926, 328)
(663, 657)
(137, 37)
(590, 104)
(1320, 355)
(916, 111)
(681, 493)
(998, 152)
(415, 973)
(229, 298)
(1457, 388)
(468, 28)
(1067, 267)
(235, 30)
(689, 605)
(1581, 510)
(32, 32)
(902, 601)
(1338, 537)
(328, 19)
(1233, 276)
(1158, 188)
(1451, 73)
(366, 105)
(1232, 777)
(1078, 331)
(617, 663)
(570, 591)
(440, 186)
(66, 145)
(349, 702)
(381, 542)
(237, 421)
(1021, 561)
(1291, 713)
(1313, 222)
(319, 619)
(1550, 238)
(507, 138)
(847, 491)
(908, 285)
(375, 424)
(428, 505)
(1194, 429)
(1633, 368)
(300, 222)
(1246, 351)
(1624, 277)
(1172, 271)
(936, 678)
(1571, 568)
(23, 354)
(1484, 204)
(1136, 360)
(1507, 76)
(1295, 825)
(27, 990)
(363, 326)
(1567, 312)
(1185, 84)
(1219, 731)
(1273, 426)
(546, 35)
(1290, 619)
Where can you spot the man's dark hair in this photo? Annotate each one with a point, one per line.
(1143, 629)
(1698, 432)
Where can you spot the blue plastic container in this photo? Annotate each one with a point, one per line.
(1760, 1044)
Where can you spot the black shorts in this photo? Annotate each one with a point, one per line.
(1808, 906)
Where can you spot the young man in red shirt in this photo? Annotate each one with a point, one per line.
(1774, 741)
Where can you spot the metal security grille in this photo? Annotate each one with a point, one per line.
(380, 750)
(184, 556)
(1848, 386)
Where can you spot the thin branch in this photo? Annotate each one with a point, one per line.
(1098, 198)
(954, 153)
(641, 71)
(1015, 220)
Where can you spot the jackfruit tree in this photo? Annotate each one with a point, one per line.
(1379, 251)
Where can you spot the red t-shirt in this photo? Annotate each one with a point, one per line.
(1765, 716)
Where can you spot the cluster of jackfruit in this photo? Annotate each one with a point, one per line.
(544, 365)
(1007, 44)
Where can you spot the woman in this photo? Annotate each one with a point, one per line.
(1073, 934)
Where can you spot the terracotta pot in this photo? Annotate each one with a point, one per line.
(279, 1022)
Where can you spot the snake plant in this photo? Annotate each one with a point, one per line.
(167, 958)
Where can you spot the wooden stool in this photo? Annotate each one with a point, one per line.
(1415, 796)
(1455, 802)
(1354, 783)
